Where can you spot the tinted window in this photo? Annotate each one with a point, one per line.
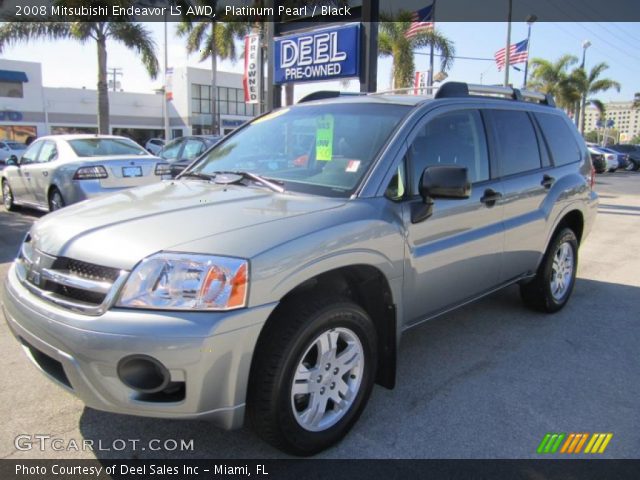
(192, 148)
(170, 150)
(455, 138)
(30, 155)
(97, 147)
(559, 137)
(517, 142)
(48, 152)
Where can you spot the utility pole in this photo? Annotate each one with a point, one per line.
(165, 99)
(530, 21)
(114, 73)
(507, 51)
(580, 117)
(431, 54)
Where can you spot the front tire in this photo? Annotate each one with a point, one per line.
(312, 374)
(553, 284)
(7, 197)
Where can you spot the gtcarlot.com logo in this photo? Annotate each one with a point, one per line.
(574, 443)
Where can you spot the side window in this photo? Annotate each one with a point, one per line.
(171, 150)
(31, 154)
(517, 143)
(192, 148)
(456, 138)
(397, 185)
(560, 139)
(48, 152)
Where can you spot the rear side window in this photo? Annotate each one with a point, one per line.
(560, 139)
(456, 139)
(517, 142)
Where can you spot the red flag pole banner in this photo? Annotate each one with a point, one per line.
(252, 69)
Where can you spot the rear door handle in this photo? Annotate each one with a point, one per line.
(547, 181)
(490, 197)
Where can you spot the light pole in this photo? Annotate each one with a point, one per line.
(580, 117)
(531, 19)
(507, 52)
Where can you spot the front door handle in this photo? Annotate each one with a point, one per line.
(547, 181)
(490, 197)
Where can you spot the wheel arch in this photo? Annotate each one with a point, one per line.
(367, 286)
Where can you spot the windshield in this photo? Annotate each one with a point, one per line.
(318, 149)
(98, 147)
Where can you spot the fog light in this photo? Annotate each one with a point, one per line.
(143, 373)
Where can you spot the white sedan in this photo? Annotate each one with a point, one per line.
(58, 170)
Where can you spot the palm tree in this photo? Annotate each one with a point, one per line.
(553, 78)
(213, 40)
(133, 35)
(590, 84)
(393, 41)
(636, 100)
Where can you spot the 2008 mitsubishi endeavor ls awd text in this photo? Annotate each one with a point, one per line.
(275, 276)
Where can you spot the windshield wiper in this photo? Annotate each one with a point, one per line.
(202, 176)
(271, 184)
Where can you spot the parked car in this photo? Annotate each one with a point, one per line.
(622, 158)
(8, 148)
(597, 159)
(154, 145)
(254, 284)
(184, 150)
(633, 155)
(59, 170)
(609, 157)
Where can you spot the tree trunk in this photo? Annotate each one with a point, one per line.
(103, 92)
(215, 128)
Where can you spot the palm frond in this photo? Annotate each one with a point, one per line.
(12, 33)
(135, 36)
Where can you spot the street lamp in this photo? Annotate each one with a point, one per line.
(531, 19)
(580, 117)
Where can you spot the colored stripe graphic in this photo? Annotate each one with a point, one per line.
(572, 443)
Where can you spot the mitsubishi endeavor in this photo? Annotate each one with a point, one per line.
(274, 278)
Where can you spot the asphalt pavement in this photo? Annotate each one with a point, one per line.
(487, 381)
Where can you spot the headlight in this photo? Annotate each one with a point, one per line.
(178, 281)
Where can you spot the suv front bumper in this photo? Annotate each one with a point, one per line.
(210, 352)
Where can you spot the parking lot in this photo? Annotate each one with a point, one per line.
(487, 381)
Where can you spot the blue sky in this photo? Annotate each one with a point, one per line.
(68, 64)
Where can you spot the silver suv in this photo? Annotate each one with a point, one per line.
(274, 278)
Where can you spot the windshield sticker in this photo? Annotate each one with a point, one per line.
(352, 166)
(271, 116)
(324, 138)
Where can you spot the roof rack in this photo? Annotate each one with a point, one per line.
(324, 94)
(460, 89)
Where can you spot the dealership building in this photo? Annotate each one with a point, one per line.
(27, 108)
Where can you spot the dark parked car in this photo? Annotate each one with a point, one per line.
(184, 150)
(598, 161)
(633, 153)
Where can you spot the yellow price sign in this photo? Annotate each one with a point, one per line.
(324, 138)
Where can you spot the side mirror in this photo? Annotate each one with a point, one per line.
(444, 182)
(440, 182)
(12, 160)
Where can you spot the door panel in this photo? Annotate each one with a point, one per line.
(41, 172)
(525, 186)
(21, 181)
(456, 253)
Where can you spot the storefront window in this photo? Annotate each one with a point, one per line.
(19, 133)
(11, 89)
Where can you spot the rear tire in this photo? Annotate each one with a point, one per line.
(56, 202)
(7, 197)
(553, 284)
(312, 373)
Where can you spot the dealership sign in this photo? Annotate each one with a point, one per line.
(252, 71)
(318, 55)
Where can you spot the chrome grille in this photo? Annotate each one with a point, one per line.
(73, 284)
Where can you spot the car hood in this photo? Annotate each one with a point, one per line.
(120, 229)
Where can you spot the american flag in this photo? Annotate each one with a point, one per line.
(518, 53)
(421, 20)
